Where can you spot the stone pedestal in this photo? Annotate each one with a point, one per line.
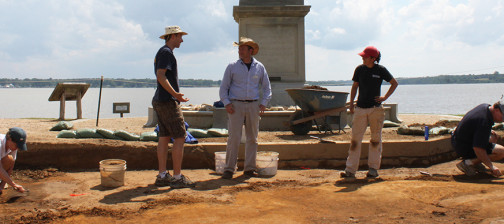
(278, 27)
(280, 96)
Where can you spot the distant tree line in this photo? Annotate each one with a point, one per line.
(496, 77)
(107, 83)
(441, 79)
(453, 79)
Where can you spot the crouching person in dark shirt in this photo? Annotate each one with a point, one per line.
(475, 141)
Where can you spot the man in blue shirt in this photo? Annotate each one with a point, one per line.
(166, 103)
(243, 82)
(475, 141)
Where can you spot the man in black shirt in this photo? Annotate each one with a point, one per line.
(367, 79)
(166, 103)
(475, 141)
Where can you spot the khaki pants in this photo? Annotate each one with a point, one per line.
(361, 118)
(245, 113)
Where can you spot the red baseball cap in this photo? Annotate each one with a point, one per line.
(370, 52)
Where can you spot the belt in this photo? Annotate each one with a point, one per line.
(248, 101)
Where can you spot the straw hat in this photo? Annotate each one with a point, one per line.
(172, 30)
(249, 42)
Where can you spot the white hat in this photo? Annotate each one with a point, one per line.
(172, 30)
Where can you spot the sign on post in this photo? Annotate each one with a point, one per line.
(121, 108)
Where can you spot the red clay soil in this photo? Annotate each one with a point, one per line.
(436, 194)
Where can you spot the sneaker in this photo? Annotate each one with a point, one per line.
(480, 168)
(227, 175)
(468, 170)
(372, 173)
(250, 173)
(183, 182)
(162, 182)
(347, 174)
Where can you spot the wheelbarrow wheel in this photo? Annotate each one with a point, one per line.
(301, 128)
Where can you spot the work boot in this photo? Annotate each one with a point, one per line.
(183, 182)
(468, 170)
(480, 168)
(372, 173)
(250, 173)
(347, 174)
(227, 175)
(163, 182)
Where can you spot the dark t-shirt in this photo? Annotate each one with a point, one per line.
(370, 80)
(475, 128)
(166, 60)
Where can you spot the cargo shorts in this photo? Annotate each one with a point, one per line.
(170, 119)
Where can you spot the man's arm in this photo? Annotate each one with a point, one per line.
(485, 159)
(224, 90)
(353, 92)
(266, 92)
(4, 176)
(161, 78)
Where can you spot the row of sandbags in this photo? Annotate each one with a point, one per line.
(212, 132)
(415, 130)
(64, 132)
(107, 134)
(192, 133)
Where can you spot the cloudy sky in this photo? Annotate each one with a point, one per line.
(119, 38)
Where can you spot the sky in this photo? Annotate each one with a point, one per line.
(119, 38)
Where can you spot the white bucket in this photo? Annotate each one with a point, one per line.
(267, 163)
(112, 172)
(220, 162)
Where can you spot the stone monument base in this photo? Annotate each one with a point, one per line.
(280, 96)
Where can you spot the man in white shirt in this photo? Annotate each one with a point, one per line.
(14, 140)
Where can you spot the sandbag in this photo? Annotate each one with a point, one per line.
(390, 124)
(126, 135)
(439, 131)
(199, 133)
(87, 133)
(62, 125)
(67, 134)
(149, 136)
(108, 134)
(405, 130)
(218, 132)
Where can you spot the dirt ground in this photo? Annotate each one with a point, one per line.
(435, 194)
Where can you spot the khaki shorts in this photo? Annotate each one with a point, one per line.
(170, 119)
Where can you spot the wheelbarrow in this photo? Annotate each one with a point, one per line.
(314, 104)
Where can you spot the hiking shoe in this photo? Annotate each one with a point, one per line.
(250, 173)
(227, 175)
(468, 170)
(372, 173)
(480, 168)
(183, 182)
(163, 182)
(347, 174)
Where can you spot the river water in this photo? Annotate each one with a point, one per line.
(420, 99)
